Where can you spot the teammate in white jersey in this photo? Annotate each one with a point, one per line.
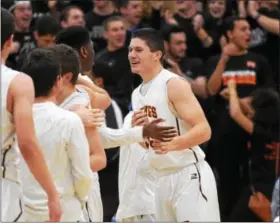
(62, 137)
(70, 96)
(136, 189)
(17, 96)
(186, 188)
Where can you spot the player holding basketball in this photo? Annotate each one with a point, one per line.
(186, 188)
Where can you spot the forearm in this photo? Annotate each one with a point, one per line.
(34, 158)
(271, 25)
(111, 138)
(97, 153)
(215, 81)
(197, 135)
(205, 38)
(234, 105)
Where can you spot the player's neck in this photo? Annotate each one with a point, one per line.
(45, 99)
(151, 74)
(65, 93)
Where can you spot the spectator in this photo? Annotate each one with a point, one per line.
(94, 21)
(177, 61)
(188, 18)
(213, 26)
(228, 145)
(72, 16)
(45, 31)
(23, 37)
(262, 123)
(115, 55)
(264, 39)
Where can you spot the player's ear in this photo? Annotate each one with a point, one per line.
(68, 77)
(83, 52)
(158, 55)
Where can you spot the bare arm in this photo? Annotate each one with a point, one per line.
(100, 97)
(270, 24)
(236, 112)
(22, 94)
(215, 81)
(97, 154)
(189, 110)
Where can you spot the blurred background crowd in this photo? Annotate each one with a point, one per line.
(207, 43)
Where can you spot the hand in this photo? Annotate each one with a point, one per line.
(162, 148)
(55, 211)
(15, 47)
(174, 66)
(198, 22)
(225, 93)
(162, 133)
(90, 117)
(168, 16)
(230, 49)
(139, 118)
(252, 8)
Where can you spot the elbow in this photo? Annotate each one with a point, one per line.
(99, 163)
(207, 132)
(210, 90)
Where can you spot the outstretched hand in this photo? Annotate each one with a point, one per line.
(162, 133)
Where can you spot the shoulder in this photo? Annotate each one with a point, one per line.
(101, 54)
(257, 57)
(67, 118)
(22, 84)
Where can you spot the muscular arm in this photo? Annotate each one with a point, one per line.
(99, 96)
(270, 24)
(188, 109)
(22, 97)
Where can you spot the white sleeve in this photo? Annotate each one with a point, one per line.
(111, 138)
(78, 151)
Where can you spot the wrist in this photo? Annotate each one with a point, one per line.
(255, 15)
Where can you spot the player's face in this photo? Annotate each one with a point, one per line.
(140, 57)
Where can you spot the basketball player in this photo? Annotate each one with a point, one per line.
(17, 95)
(61, 135)
(186, 188)
(71, 96)
(136, 189)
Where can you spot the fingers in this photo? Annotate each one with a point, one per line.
(141, 121)
(139, 118)
(157, 121)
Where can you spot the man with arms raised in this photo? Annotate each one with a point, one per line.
(186, 188)
(17, 94)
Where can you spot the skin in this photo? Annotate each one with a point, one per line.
(199, 132)
(19, 103)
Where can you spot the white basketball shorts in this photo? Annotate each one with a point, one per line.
(189, 194)
(11, 201)
(93, 210)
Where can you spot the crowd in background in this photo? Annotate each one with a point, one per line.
(207, 43)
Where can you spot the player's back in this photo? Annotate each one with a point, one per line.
(157, 105)
(9, 152)
(55, 131)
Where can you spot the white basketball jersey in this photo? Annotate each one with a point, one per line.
(10, 155)
(156, 105)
